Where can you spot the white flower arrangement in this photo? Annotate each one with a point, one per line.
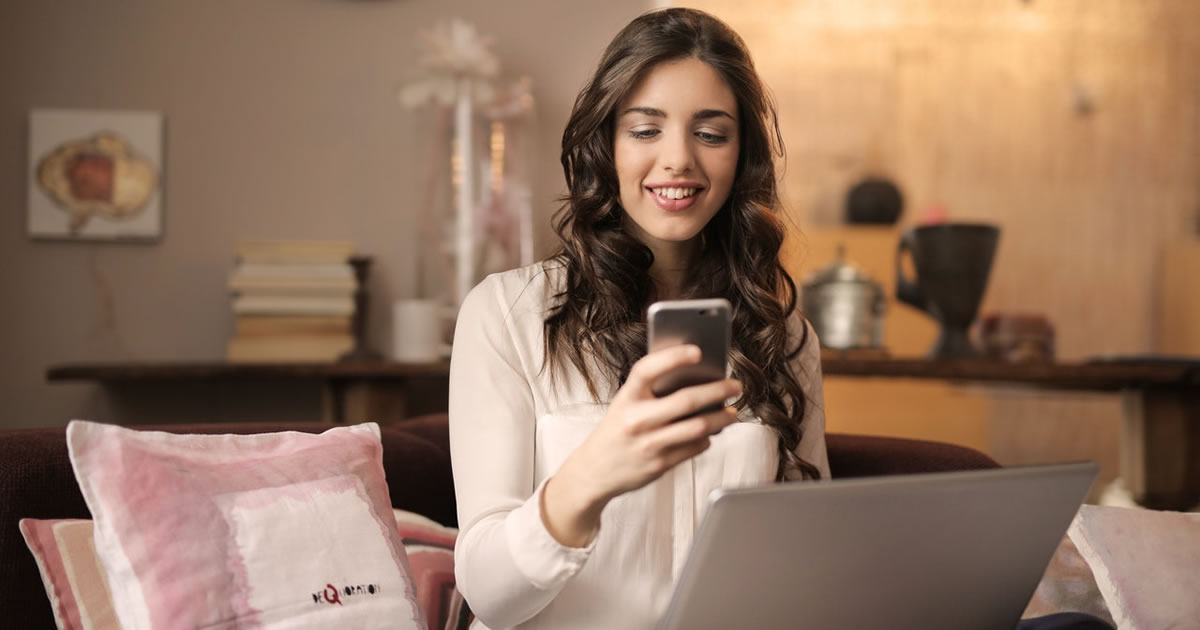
(454, 56)
(459, 76)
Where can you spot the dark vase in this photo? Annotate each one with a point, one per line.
(953, 262)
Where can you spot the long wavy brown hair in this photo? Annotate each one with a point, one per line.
(599, 318)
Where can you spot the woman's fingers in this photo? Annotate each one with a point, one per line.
(672, 436)
(647, 370)
(684, 403)
(720, 419)
(673, 456)
(638, 441)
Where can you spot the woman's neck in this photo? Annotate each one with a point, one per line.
(671, 259)
(670, 268)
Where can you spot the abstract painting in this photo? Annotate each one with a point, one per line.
(95, 175)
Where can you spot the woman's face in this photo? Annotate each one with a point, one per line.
(676, 151)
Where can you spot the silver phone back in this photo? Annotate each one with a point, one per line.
(932, 551)
(704, 323)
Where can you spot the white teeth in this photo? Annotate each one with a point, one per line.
(674, 193)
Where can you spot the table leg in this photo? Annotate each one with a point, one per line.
(353, 402)
(1160, 447)
(333, 402)
(384, 402)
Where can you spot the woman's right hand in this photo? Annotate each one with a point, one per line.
(636, 442)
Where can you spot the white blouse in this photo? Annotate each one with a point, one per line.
(511, 428)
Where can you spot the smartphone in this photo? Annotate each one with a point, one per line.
(703, 323)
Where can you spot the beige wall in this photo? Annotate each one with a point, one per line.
(974, 104)
(280, 121)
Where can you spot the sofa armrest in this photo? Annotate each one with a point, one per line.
(870, 456)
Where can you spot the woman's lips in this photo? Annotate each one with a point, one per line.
(674, 205)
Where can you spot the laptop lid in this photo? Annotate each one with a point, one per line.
(943, 550)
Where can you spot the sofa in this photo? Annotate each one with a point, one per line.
(36, 481)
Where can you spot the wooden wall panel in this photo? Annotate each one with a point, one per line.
(1179, 306)
(1073, 124)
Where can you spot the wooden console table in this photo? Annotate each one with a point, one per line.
(351, 392)
(1160, 442)
(1160, 434)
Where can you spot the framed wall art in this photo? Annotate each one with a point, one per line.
(95, 174)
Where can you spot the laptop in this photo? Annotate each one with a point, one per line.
(959, 550)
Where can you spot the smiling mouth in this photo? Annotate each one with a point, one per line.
(675, 192)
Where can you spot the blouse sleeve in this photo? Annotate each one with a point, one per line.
(812, 442)
(507, 565)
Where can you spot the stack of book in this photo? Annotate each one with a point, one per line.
(292, 300)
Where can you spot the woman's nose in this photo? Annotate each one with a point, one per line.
(677, 154)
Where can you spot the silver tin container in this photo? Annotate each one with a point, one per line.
(845, 306)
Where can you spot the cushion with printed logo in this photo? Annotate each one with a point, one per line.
(290, 529)
(80, 598)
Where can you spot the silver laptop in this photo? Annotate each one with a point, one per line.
(945, 550)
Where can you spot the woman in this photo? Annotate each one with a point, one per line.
(577, 496)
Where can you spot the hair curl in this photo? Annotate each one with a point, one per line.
(599, 320)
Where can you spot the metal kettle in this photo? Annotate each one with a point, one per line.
(844, 305)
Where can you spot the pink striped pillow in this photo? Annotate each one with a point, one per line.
(71, 573)
(205, 530)
(430, 548)
(79, 593)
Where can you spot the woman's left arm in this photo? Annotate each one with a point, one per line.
(808, 370)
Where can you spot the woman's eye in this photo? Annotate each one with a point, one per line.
(711, 138)
(643, 134)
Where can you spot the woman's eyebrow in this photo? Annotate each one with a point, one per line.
(649, 111)
(704, 114)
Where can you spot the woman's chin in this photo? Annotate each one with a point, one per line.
(674, 237)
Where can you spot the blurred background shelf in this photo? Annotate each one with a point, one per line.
(1159, 442)
(1107, 375)
(349, 391)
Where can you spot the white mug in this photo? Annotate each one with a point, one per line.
(416, 331)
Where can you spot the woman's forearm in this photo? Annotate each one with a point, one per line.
(570, 509)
